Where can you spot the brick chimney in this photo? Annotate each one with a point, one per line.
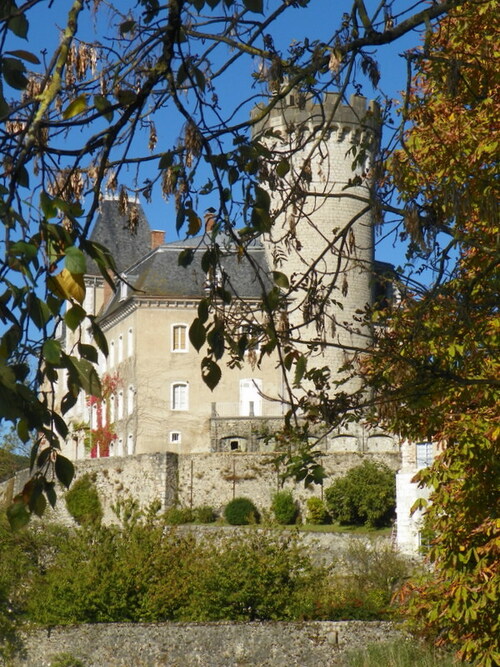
(157, 238)
(210, 219)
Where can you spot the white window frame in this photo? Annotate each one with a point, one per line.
(179, 403)
(119, 404)
(130, 444)
(130, 399)
(112, 406)
(185, 328)
(111, 353)
(120, 348)
(130, 342)
(175, 437)
(424, 454)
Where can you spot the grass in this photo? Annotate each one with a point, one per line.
(402, 653)
(351, 530)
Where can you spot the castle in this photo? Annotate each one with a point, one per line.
(322, 241)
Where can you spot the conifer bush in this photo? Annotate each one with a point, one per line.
(241, 512)
(284, 508)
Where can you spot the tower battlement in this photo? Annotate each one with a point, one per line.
(293, 111)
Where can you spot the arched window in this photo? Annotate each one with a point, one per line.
(130, 444)
(120, 348)
(111, 357)
(180, 396)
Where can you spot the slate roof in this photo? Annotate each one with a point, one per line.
(112, 231)
(159, 275)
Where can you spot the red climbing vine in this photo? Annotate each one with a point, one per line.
(102, 431)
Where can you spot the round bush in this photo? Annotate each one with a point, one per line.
(284, 508)
(82, 501)
(365, 495)
(317, 514)
(241, 512)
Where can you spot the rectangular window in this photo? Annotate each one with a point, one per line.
(120, 348)
(175, 437)
(179, 338)
(130, 444)
(425, 454)
(111, 354)
(180, 396)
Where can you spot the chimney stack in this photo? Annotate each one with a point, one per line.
(210, 220)
(157, 238)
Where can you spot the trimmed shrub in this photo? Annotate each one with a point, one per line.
(317, 514)
(284, 508)
(83, 503)
(204, 514)
(241, 512)
(365, 495)
(175, 516)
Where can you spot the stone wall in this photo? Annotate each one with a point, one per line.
(193, 479)
(313, 644)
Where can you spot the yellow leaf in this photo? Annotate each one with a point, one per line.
(68, 285)
(76, 107)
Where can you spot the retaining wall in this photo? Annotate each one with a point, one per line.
(314, 644)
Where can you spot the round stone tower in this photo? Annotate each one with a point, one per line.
(322, 236)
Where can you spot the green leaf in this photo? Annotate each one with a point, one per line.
(49, 209)
(215, 338)
(126, 97)
(166, 160)
(84, 375)
(19, 25)
(74, 260)
(67, 402)
(77, 106)
(88, 352)
(211, 373)
(38, 311)
(300, 368)
(18, 515)
(4, 107)
(203, 310)
(13, 71)
(99, 337)
(50, 492)
(74, 316)
(25, 55)
(197, 334)
(23, 430)
(22, 177)
(185, 257)
(65, 470)
(194, 221)
(104, 106)
(283, 168)
(60, 425)
(51, 351)
(256, 6)
(127, 26)
(280, 279)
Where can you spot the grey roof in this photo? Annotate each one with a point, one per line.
(159, 275)
(112, 230)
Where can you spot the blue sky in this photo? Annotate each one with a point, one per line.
(317, 22)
